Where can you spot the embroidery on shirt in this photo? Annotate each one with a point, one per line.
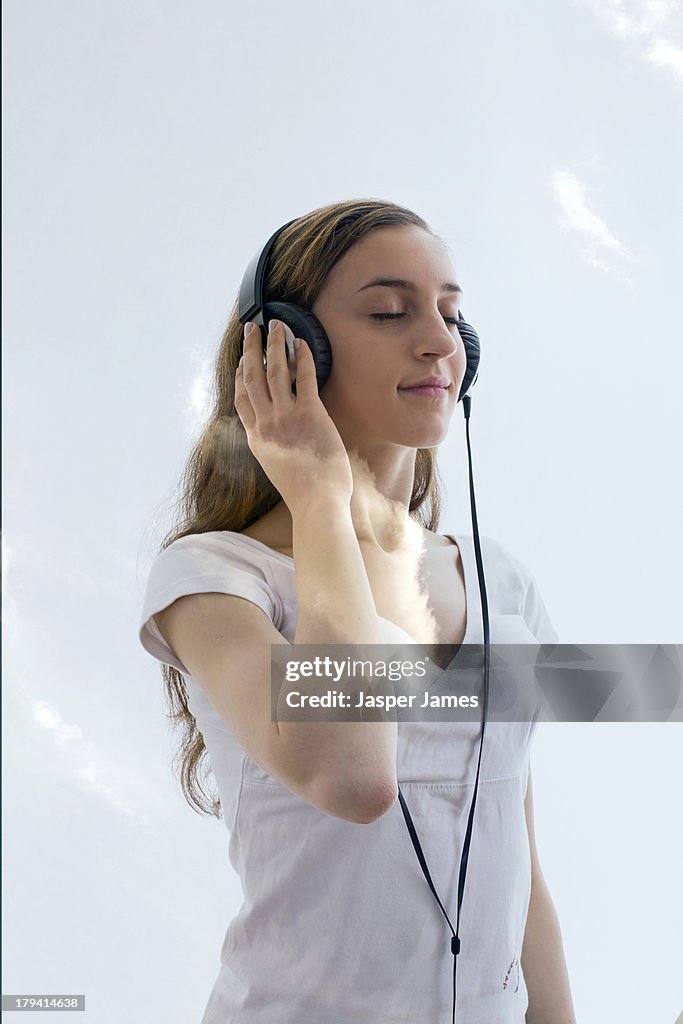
(514, 967)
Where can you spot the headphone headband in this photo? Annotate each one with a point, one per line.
(250, 303)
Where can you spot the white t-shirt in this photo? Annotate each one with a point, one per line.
(338, 923)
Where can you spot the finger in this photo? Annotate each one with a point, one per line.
(243, 406)
(306, 379)
(254, 374)
(277, 369)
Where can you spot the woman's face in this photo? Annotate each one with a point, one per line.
(387, 337)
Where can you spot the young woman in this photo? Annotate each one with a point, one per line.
(312, 518)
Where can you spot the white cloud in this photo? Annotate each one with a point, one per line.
(576, 215)
(109, 784)
(647, 25)
(51, 720)
(10, 619)
(632, 19)
(665, 54)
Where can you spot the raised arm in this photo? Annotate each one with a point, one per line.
(345, 768)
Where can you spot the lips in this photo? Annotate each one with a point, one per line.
(427, 382)
(428, 392)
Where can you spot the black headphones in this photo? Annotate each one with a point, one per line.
(305, 325)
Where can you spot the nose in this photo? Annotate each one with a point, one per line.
(434, 336)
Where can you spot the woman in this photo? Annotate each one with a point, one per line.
(311, 518)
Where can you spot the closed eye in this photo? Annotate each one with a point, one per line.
(397, 316)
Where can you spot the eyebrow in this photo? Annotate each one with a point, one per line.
(399, 282)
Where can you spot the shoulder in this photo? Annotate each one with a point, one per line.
(219, 562)
(210, 549)
(508, 578)
(515, 589)
(500, 556)
(216, 560)
(494, 553)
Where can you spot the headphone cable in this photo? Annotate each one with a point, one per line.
(455, 939)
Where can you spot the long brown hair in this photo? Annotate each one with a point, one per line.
(223, 486)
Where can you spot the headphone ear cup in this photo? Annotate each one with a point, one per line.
(470, 340)
(305, 325)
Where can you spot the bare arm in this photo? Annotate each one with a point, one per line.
(543, 961)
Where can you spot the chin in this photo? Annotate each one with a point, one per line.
(427, 431)
(423, 438)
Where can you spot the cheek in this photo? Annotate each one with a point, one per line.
(356, 390)
(353, 369)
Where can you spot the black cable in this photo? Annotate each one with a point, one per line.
(455, 940)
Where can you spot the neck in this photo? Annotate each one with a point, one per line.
(379, 504)
(382, 489)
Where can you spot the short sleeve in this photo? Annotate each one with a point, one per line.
(215, 562)
(518, 592)
(536, 615)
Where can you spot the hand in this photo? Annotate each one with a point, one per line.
(292, 436)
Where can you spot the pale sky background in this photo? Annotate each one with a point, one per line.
(149, 150)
